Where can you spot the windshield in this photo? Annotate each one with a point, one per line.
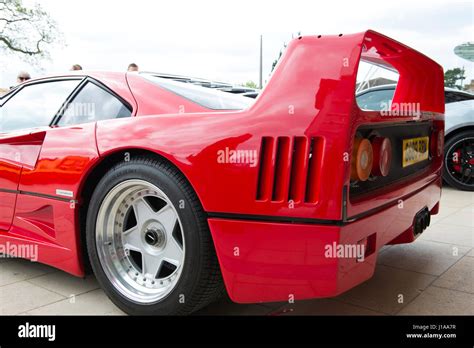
(209, 98)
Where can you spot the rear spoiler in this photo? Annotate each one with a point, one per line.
(421, 79)
(320, 72)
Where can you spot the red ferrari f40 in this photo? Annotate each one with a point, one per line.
(173, 193)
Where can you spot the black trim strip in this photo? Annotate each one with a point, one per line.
(279, 219)
(42, 195)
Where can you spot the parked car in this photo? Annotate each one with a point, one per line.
(459, 131)
(171, 190)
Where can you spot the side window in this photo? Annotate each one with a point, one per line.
(375, 100)
(35, 105)
(93, 104)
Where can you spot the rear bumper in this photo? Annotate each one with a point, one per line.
(271, 261)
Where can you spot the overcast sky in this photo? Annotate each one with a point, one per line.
(220, 39)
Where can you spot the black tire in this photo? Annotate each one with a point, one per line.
(450, 145)
(200, 281)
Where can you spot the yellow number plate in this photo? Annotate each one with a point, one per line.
(415, 150)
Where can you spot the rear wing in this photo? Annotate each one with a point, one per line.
(421, 79)
(316, 71)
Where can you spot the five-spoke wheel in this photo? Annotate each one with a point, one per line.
(139, 240)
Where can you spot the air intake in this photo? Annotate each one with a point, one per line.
(289, 169)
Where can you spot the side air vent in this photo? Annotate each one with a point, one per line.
(265, 177)
(289, 169)
(282, 170)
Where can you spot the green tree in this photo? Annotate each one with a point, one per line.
(275, 62)
(28, 32)
(250, 84)
(452, 76)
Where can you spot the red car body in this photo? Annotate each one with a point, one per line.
(270, 222)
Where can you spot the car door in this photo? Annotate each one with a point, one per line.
(45, 208)
(25, 117)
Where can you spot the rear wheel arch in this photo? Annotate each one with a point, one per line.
(92, 178)
(457, 131)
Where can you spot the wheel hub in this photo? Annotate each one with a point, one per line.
(155, 237)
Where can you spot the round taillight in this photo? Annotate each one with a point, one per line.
(362, 159)
(382, 149)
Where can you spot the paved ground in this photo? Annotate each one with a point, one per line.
(434, 275)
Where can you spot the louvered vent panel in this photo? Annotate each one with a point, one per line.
(289, 169)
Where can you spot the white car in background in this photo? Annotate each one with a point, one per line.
(459, 130)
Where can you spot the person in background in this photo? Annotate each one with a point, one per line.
(132, 67)
(22, 77)
(76, 67)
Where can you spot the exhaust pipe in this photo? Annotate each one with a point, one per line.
(422, 221)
